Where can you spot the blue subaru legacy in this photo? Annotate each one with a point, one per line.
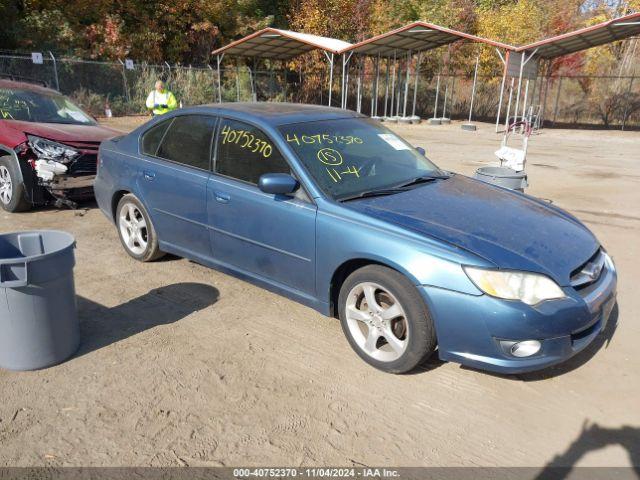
(337, 212)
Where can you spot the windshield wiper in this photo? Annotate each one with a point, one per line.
(425, 179)
(404, 187)
(375, 193)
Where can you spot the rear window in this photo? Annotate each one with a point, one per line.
(151, 138)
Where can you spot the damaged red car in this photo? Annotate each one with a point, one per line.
(48, 148)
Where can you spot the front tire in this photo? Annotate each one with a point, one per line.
(12, 190)
(136, 231)
(385, 319)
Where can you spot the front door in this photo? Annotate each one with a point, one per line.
(173, 182)
(269, 236)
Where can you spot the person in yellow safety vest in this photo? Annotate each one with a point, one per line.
(161, 100)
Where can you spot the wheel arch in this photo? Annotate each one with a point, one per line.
(115, 199)
(8, 152)
(346, 268)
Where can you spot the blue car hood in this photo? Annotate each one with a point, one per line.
(509, 229)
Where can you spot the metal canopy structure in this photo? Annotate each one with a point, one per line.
(277, 44)
(603, 33)
(416, 37)
(281, 44)
(547, 50)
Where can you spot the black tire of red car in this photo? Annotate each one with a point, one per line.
(421, 338)
(152, 251)
(19, 201)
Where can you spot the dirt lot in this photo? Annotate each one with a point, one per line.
(182, 365)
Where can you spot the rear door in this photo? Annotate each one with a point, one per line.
(173, 181)
(271, 236)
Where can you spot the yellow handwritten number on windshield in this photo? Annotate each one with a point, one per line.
(329, 156)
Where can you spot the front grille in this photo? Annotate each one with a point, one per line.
(589, 272)
(84, 165)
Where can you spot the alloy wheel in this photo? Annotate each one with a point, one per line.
(6, 185)
(377, 322)
(133, 228)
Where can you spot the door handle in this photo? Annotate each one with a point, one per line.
(222, 197)
(149, 175)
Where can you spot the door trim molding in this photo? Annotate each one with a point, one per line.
(239, 237)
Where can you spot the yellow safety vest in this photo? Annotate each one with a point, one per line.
(161, 102)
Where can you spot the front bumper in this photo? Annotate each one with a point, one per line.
(469, 327)
(69, 182)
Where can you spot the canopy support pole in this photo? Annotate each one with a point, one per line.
(523, 61)
(393, 83)
(416, 74)
(253, 86)
(398, 92)
(345, 79)
(502, 85)
(237, 80)
(330, 60)
(446, 96)
(524, 103)
(473, 89)
(522, 57)
(359, 92)
(219, 60)
(543, 111)
(375, 108)
(372, 110)
(386, 87)
(506, 118)
(435, 107)
(406, 86)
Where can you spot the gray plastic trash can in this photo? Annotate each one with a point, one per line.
(38, 317)
(503, 177)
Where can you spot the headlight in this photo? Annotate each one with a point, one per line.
(530, 288)
(50, 150)
(609, 262)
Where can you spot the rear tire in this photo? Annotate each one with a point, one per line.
(385, 319)
(136, 231)
(13, 195)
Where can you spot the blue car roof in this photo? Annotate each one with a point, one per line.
(275, 113)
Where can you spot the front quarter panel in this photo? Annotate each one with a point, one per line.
(345, 235)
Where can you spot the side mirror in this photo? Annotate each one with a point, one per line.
(278, 183)
(421, 151)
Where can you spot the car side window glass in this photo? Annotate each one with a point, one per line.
(151, 138)
(245, 153)
(188, 141)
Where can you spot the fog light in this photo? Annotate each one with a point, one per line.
(525, 348)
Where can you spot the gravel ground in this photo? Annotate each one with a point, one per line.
(182, 365)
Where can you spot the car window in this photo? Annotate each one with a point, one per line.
(245, 153)
(188, 140)
(151, 138)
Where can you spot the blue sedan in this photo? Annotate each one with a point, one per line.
(337, 212)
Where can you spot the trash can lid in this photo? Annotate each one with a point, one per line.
(32, 245)
(500, 172)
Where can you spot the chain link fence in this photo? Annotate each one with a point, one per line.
(577, 101)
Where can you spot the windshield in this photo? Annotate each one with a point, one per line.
(40, 107)
(351, 156)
